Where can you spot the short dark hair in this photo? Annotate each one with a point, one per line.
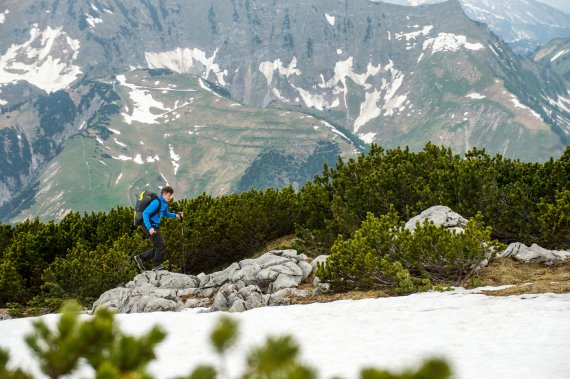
(167, 189)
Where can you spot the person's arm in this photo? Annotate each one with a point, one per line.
(152, 207)
(169, 214)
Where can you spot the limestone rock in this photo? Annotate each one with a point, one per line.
(534, 254)
(439, 215)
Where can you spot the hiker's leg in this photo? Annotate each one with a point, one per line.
(150, 252)
(159, 248)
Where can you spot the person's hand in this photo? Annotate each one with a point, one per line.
(180, 215)
(152, 231)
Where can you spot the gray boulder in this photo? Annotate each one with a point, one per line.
(439, 215)
(534, 254)
(241, 286)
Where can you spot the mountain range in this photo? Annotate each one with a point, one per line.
(102, 99)
(524, 24)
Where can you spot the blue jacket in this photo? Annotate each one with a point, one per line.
(151, 217)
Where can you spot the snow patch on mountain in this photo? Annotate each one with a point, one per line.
(138, 159)
(367, 137)
(449, 42)
(561, 53)
(150, 159)
(143, 101)
(185, 60)
(335, 130)
(93, 21)
(368, 109)
(413, 35)
(475, 96)
(119, 142)
(44, 60)
(268, 68)
(174, 159)
(3, 16)
(330, 19)
(518, 104)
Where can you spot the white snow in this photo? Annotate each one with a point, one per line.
(175, 158)
(184, 60)
(413, 35)
(367, 137)
(522, 337)
(119, 142)
(368, 109)
(144, 102)
(93, 21)
(339, 51)
(138, 159)
(449, 42)
(118, 178)
(44, 60)
(114, 131)
(3, 16)
(560, 103)
(123, 158)
(330, 19)
(561, 53)
(150, 159)
(475, 96)
(518, 104)
(267, 68)
(335, 130)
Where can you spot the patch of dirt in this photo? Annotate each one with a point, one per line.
(326, 298)
(526, 278)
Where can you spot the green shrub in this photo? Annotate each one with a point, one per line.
(85, 274)
(383, 253)
(555, 220)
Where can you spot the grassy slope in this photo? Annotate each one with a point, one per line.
(216, 139)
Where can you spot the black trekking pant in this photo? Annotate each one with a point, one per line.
(157, 251)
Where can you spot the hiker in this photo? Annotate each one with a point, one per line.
(151, 216)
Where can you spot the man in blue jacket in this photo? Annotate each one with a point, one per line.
(152, 215)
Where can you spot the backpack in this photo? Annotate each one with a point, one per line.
(142, 203)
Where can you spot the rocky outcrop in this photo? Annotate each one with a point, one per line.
(534, 254)
(439, 215)
(271, 279)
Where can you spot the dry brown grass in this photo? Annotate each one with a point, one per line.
(282, 243)
(526, 278)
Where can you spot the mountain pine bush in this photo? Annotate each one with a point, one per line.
(523, 202)
(383, 253)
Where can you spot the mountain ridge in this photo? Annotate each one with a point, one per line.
(379, 72)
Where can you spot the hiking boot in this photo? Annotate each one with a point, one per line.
(158, 268)
(139, 262)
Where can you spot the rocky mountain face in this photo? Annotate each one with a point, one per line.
(257, 75)
(556, 56)
(523, 24)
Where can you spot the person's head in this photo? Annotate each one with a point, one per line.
(167, 193)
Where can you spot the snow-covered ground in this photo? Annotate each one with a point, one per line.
(525, 336)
